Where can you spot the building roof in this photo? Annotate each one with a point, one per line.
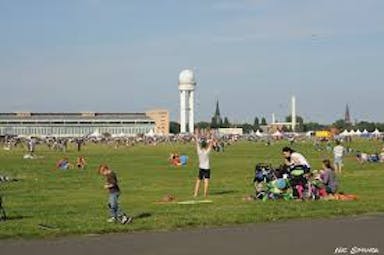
(74, 116)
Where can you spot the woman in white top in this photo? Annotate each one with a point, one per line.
(203, 150)
(293, 158)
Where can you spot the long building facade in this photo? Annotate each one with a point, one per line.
(75, 124)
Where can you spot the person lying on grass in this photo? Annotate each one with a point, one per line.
(63, 164)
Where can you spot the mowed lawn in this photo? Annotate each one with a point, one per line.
(74, 202)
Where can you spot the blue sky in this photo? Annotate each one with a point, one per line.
(116, 55)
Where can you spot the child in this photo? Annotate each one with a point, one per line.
(114, 193)
(328, 177)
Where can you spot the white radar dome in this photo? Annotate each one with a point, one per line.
(187, 77)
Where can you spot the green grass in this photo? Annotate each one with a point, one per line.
(75, 202)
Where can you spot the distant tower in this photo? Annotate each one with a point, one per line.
(187, 85)
(217, 116)
(347, 117)
(217, 112)
(293, 113)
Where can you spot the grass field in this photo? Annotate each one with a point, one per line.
(74, 202)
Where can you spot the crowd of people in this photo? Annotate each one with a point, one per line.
(294, 179)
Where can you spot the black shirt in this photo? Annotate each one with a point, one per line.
(112, 180)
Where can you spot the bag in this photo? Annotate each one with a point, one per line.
(299, 170)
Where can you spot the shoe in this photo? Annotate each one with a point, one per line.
(126, 220)
(112, 219)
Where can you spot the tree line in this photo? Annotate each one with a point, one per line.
(302, 126)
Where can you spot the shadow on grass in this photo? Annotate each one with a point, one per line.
(142, 215)
(17, 217)
(47, 227)
(223, 192)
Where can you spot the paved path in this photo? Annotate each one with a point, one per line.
(297, 237)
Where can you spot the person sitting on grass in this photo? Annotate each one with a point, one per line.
(63, 164)
(80, 162)
(328, 177)
(174, 159)
(203, 150)
(381, 156)
(114, 192)
(183, 160)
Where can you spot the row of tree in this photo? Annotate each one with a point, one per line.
(301, 125)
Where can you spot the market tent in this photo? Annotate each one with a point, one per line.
(376, 132)
(258, 133)
(277, 134)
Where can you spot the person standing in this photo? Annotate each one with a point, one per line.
(338, 153)
(203, 150)
(31, 147)
(114, 194)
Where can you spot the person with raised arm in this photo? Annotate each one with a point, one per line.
(204, 147)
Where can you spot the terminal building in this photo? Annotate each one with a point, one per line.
(81, 124)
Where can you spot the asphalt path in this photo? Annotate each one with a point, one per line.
(349, 235)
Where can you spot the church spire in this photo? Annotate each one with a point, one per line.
(217, 112)
(347, 118)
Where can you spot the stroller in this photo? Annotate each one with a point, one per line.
(264, 174)
(301, 188)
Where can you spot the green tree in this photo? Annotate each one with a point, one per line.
(313, 126)
(226, 123)
(299, 122)
(214, 123)
(341, 124)
(263, 121)
(203, 125)
(369, 126)
(247, 128)
(174, 127)
(256, 124)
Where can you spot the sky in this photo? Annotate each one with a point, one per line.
(251, 55)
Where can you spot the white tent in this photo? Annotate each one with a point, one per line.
(344, 133)
(352, 132)
(310, 133)
(277, 134)
(119, 135)
(258, 133)
(95, 134)
(365, 132)
(376, 132)
(358, 132)
(150, 133)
